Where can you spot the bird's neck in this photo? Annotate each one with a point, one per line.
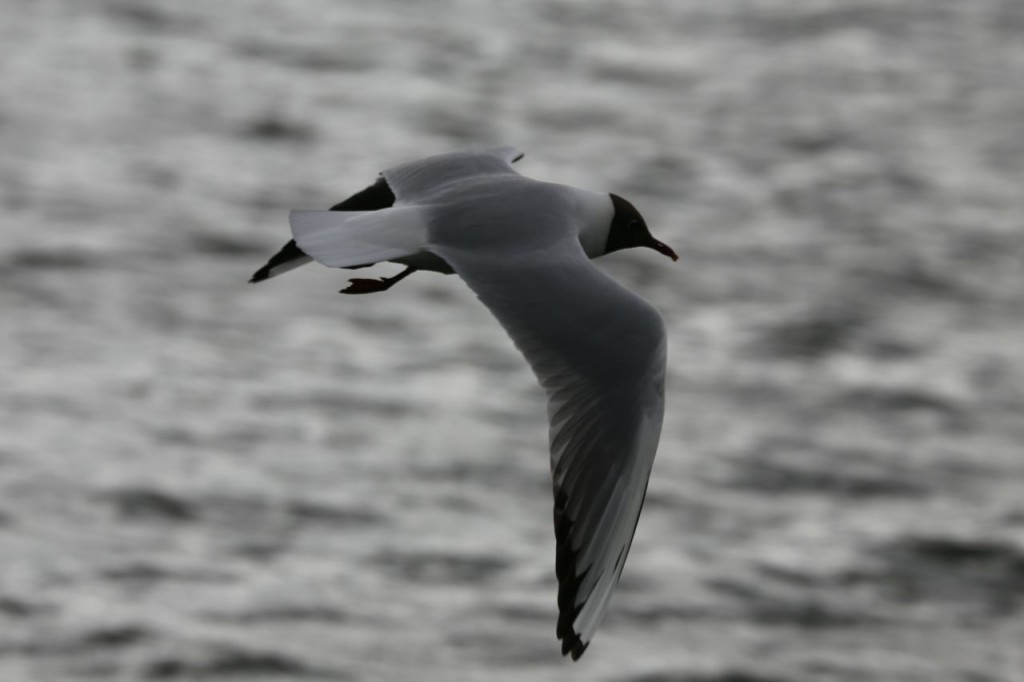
(596, 212)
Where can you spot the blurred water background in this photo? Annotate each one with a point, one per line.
(202, 479)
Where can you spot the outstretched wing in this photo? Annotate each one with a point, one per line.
(599, 352)
(418, 181)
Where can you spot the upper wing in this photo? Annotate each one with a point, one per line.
(599, 352)
(417, 181)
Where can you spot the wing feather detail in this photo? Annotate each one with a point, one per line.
(599, 352)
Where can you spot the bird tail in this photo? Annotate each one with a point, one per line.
(341, 239)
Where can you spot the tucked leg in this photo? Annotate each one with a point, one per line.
(370, 286)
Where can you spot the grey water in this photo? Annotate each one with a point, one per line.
(202, 479)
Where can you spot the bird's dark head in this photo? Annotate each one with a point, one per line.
(629, 230)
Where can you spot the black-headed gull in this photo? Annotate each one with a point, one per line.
(524, 247)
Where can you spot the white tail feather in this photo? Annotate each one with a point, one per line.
(340, 239)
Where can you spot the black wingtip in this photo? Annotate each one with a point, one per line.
(568, 581)
(374, 198)
(282, 261)
(572, 644)
(260, 275)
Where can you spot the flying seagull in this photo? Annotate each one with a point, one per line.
(524, 248)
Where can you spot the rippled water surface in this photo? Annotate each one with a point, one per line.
(202, 479)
